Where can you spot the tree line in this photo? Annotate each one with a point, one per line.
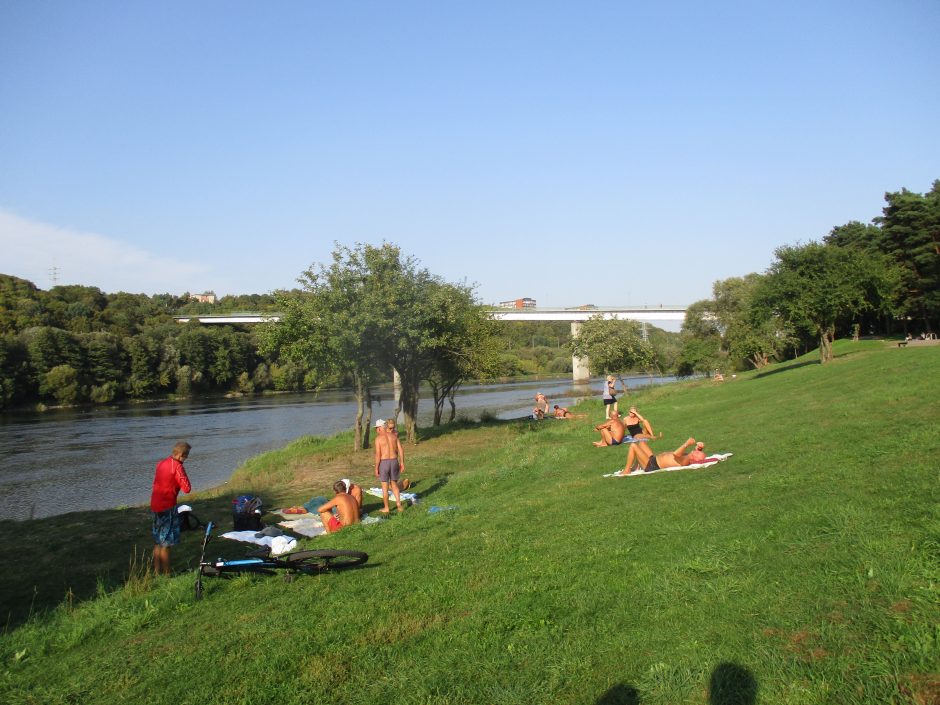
(878, 278)
(78, 345)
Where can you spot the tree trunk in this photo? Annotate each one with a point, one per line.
(367, 420)
(357, 429)
(409, 404)
(438, 403)
(453, 404)
(826, 336)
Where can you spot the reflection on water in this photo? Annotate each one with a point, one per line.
(64, 461)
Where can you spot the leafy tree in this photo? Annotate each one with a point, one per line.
(106, 358)
(856, 235)
(328, 327)
(698, 355)
(750, 332)
(465, 345)
(61, 383)
(813, 286)
(144, 356)
(14, 371)
(613, 346)
(911, 227)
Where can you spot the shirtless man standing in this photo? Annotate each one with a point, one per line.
(347, 509)
(389, 463)
(641, 456)
(612, 431)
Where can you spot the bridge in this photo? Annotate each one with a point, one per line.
(580, 367)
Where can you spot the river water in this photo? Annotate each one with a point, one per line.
(73, 460)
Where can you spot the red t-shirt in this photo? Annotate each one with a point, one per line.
(169, 479)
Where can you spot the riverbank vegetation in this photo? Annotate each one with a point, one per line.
(881, 278)
(801, 570)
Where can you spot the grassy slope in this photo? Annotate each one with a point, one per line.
(802, 570)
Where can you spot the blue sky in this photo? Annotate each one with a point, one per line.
(575, 153)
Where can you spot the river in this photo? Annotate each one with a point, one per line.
(73, 460)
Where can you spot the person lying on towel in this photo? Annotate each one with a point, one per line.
(641, 457)
(347, 509)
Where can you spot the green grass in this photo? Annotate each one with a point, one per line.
(804, 569)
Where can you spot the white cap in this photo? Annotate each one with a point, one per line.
(379, 423)
(348, 483)
(184, 508)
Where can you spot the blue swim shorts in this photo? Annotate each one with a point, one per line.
(166, 527)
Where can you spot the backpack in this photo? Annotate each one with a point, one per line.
(188, 520)
(246, 513)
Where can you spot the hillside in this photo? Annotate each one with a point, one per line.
(802, 570)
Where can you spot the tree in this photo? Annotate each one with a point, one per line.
(465, 345)
(328, 327)
(612, 345)
(750, 332)
(813, 286)
(911, 227)
(373, 310)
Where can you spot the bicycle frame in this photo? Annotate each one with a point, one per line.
(299, 562)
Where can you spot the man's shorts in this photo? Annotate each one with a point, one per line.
(334, 524)
(166, 527)
(652, 464)
(389, 470)
(615, 442)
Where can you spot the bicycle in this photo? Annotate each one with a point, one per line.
(263, 563)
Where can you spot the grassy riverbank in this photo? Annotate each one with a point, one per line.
(802, 570)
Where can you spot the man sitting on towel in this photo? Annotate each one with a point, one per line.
(347, 509)
(642, 457)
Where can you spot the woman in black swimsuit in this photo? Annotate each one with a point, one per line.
(637, 426)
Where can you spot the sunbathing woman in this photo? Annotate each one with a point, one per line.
(641, 457)
(562, 412)
(637, 426)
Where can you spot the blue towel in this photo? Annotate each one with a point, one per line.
(314, 504)
(435, 509)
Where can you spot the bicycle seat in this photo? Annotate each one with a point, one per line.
(263, 552)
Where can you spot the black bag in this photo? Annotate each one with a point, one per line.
(246, 513)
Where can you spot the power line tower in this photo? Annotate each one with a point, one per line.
(645, 332)
(54, 274)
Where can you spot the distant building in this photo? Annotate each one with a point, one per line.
(206, 297)
(518, 303)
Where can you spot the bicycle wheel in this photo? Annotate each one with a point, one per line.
(324, 559)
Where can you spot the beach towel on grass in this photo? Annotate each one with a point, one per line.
(311, 526)
(713, 459)
(308, 525)
(409, 497)
(278, 544)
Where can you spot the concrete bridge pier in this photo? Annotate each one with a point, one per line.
(580, 366)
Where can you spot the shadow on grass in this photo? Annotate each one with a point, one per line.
(69, 557)
(787, 368)
(620, 694)
(732, 684)
(426, 434)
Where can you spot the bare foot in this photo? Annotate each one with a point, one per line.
(599, 444)
(384, 511)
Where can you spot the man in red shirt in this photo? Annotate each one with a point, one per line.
(169, 479)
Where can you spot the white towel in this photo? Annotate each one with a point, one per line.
(307, 525)
(407, 496)
(713, 459)
(278, 544)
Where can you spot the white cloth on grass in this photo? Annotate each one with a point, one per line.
(410, 497)
(278, 544)
(713, 459)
